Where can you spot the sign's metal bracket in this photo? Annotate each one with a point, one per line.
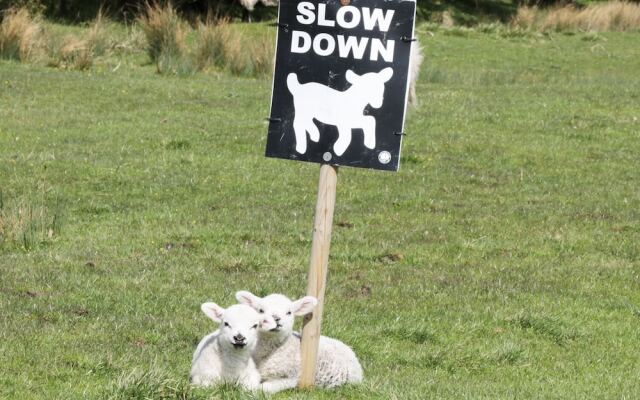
(400, 133)
(274, 120)
(408, 39)
(283, 26)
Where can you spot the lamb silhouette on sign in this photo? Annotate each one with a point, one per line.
(344, 110)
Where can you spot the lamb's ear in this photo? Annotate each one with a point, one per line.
(304, 305)
(248, 298)
(351, 76)
(213, 311)
(386, 74)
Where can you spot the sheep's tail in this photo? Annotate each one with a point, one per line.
(292, 82)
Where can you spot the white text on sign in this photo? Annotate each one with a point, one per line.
(347, 17)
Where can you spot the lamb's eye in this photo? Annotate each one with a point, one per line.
(261, 311)
(227, 324)
(289, 313)
(255, 326)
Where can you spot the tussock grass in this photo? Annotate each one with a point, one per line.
(222, 45)
(213, 39)
(598, 17)
(217, 45)
(20, 35)
(165, 33)
(79, 52)
(98, 37)
(74, 53)
(131, 42)
(26, 223)
(163, 29)
(613, 16)
(525, 17)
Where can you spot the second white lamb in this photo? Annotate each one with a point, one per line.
(277, 354)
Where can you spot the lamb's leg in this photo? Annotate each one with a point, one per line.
(278, 385)
(344, 139)
(369, 129)
(202, 380)
(301, 135)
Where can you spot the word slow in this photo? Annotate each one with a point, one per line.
(347, 17)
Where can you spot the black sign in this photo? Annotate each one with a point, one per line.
(340, 83)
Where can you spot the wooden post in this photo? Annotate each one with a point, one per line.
(318, 264)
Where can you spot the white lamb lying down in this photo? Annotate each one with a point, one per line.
(225, 355)
(277, 355)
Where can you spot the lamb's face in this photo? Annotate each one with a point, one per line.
(371, 85)
(277, 312)
(238, 325)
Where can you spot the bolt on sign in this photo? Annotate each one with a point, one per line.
(341, 82)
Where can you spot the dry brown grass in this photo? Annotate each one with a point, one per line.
(525, 17)
(597, 17)
(613, 16)
(560, 19)
(214, 37)
(97, 36)
(73, 52)
(164, 30)
(447, 20)
(165, 33)
(219, 44)
(20, 35)
(224, 46)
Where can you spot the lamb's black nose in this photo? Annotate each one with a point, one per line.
(239, 338)
(276, 318)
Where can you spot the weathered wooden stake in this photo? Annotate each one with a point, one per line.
(318, 264)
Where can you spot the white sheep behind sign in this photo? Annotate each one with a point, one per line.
(345, 109)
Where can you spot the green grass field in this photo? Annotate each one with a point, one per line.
(502, 261)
